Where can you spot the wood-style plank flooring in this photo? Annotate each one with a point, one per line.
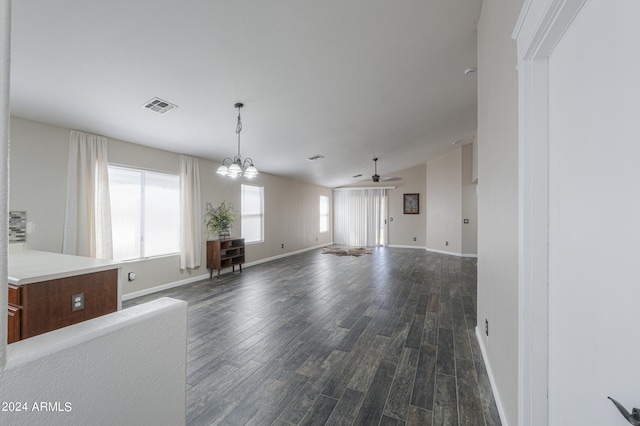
(314, 339)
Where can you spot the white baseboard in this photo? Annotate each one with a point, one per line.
(410, 247)
(496, 395)
(451, 253)
(283, 255)
(206, 276)
(164, 287)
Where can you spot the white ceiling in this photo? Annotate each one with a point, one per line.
(350, 80)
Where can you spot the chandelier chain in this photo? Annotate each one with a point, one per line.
(238, 130)
(236, 166)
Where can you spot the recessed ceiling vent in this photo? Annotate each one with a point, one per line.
(315, 157)
(160, 106)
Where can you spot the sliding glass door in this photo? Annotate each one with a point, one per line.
(360, 217)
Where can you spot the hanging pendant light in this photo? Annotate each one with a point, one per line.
(236, 166)
(376, 176)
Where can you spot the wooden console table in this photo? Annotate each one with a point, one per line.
(224, 254)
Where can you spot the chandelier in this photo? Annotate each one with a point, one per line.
(236, 166)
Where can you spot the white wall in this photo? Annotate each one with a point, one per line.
(292, 217)
(470, 213)
(469, 204)
(474, 167)
(38, 180)
(444, 203)
(38, 186)
(498, 199)
(447, 196)
(593, 220)
(405, 227)
(451, 198)
(125, 368)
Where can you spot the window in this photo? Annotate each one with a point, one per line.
(252, 213)
(324, 213)
(145, 213)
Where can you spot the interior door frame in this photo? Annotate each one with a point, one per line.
(540, 27)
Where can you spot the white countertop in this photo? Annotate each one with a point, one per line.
(33, 266)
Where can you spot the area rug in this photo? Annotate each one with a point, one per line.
(346, 251)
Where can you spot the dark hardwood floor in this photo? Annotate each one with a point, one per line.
(315, 339)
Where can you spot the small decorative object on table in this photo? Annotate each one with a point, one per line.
(219, 219)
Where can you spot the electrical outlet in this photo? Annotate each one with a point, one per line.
(415, 239)
(446, 243)
(486, 326)
(282, 246)
(77, 302)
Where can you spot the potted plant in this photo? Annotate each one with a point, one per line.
(219, 219)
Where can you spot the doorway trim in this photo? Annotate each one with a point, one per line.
(540, 27)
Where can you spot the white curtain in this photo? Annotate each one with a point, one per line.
(87, 223)
(190, 219)
(358, 217)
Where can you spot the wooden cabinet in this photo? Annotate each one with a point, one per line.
(224, 254)
(14, 314)
(13, 324)
(44, 306)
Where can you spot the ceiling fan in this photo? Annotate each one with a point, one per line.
(377, 178)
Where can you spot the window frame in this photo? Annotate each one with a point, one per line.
(324, 215)
(142, 252)
(261, 215)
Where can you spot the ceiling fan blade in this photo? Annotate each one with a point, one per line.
(390, 179)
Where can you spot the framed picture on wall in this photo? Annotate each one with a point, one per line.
(411, 203)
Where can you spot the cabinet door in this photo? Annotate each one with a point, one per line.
(13, 324)
(15, 295)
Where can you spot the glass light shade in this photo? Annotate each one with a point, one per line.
(251, 171)
(222, 170)
(234, 170)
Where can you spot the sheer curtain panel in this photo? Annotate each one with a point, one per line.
(87, 222)
(190, 218)
(358, 216)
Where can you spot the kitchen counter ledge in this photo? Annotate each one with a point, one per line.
(32, 266)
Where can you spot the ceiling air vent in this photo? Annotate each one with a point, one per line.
(315, 157)
(160, 106)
